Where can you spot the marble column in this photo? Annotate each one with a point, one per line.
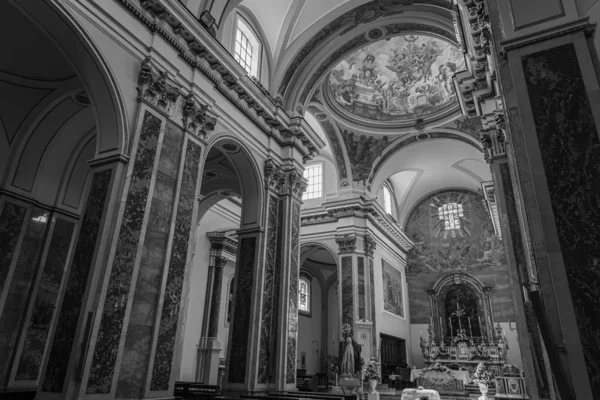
(68, 346)
(551, 97)
(370, 245)
(213, 346)
(347, 247)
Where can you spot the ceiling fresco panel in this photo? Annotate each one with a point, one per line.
(401, 78)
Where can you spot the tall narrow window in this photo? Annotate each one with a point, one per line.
(314, 174)
(247, 48)
(387, 200)
(451, 213)
(304, 295)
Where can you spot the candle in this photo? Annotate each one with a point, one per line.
(480, 326)
(470, 329)
(450, 324)
(430, 320)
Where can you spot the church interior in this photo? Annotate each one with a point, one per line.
(299, 199)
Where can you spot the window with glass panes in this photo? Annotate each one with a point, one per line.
(451, 213)
(243, 51)
(387, 200)
(314, 174)
(304, 295)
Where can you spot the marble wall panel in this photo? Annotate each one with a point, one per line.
(276, 294)
(11, 222)
(372, 294)
(473, 249)
(138, 342)
(347, 295)
(15, 306)
(290, 375)
(115, 303)
(241, 311)
(45, 302)
(361, 288)
(269, 289)
(520, 260)
(165, 345)
(68, 317)
(570, 150)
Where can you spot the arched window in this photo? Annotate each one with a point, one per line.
(314, 174)
(304, 295)
(387, 199)
(247, 48)
(451, 213)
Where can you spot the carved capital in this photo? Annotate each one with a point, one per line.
(273, 175)
(500, 121)
(296, 183)
(369, 245)
(196, 118)
(220, 262)
(155, 89)
(346, 243)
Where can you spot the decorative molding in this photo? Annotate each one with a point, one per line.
(370, 245)
(200, 51)
(196, 118)
(284, 180)
(346, 243)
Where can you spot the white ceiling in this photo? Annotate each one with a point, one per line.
(428, 166)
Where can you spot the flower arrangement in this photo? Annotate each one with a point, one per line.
(371, 372)
(330, 363)
(481, 375)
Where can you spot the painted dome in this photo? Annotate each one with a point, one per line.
(397, 79)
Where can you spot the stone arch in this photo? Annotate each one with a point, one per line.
(77, 46)
(248, 176)
(440, 290)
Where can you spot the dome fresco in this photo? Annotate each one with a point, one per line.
(400, 78)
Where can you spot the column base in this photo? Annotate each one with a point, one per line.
(211, 369)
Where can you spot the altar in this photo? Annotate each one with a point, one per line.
(416, 394)
(458, 375)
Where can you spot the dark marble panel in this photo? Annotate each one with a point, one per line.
(215, 302)
(570, 149)
(18, 294)
(276, 293)
(115, 303)
(241, 311)
(372, 287)
(520, 260)
(347, 296)
(163, 358)
(11, 222)
(290, 376)
(45, 302)
(268, 291)
(473, 249)
(361, 288)
(138, 342)
(68, 316)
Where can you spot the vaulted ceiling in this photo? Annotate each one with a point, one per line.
(374, 79)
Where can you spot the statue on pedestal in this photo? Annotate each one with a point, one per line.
(349, 357)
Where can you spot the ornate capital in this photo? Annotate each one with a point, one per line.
(296, 183)
(273, 175)
(369, 245)
(196, 118)
(154, 88)
(500, 121)
(346, 243)
(220, 262)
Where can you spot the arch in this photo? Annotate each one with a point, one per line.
(315, 244)
(444, 283)
(247, 171)
(77, 46)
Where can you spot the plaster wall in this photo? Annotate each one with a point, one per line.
(309, 331)
(212, 220)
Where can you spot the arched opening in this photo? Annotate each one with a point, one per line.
(462, 312)
(230, 199)
(318, 315)
(56, 116)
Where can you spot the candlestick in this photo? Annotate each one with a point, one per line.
(470, 329)
(480, 326)
(430, 320)
(450, 324)
(441, 324)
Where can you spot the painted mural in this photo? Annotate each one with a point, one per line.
(468, 245)
(400, 78)
(392, 289)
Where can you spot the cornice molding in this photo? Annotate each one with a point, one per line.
(200, 50)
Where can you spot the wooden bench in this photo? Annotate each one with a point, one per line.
(315, 395)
